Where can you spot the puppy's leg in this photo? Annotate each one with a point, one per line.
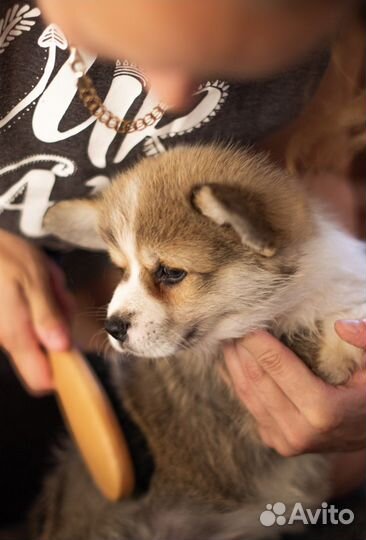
(337, 359)
(323, 350)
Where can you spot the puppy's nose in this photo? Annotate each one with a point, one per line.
(117, 328)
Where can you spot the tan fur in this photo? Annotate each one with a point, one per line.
(258, 253)
(170, 178)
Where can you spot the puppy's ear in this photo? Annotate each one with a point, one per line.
(242, 210)
(76, 222)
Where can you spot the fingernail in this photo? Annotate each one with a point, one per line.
(57, 340)
(353, 326)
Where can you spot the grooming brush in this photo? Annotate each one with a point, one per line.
(93, 424)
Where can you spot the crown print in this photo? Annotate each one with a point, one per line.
(128, 68)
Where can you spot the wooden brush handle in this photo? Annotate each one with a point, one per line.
(94, 425)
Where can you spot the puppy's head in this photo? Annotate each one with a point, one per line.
(204, 237)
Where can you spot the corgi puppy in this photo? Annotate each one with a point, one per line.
(212, 243)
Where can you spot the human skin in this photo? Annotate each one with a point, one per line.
(298, 413)
(273, 384)
(181, 42)
(35, 310)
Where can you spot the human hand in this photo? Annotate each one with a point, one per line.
(296, 412)
(35, 308)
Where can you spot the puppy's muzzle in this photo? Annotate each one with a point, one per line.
(117, 328)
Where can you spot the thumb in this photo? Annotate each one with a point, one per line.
(353, 332)
(48, 321)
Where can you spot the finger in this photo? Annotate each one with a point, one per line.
(63, 296)
(172, 88)
(353, 332)
(20, 342)
(241, 385)
(292, 376)
(283, 412)
(280, 424)
(48, 321)
(32, 365)
(288, 426)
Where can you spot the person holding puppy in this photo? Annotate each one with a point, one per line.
(245, 72)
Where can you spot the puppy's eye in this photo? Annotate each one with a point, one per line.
(169, 276)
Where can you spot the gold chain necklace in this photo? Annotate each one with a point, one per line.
(91, 100)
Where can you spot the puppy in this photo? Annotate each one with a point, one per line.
(212, 243)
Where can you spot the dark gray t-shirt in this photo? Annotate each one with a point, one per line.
(50, 147)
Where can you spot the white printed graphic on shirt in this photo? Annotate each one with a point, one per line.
(36, 185)
(16, 21)
(52, 97)
(54, 103)
(216, 94)
(127, 85)
(50, 39)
